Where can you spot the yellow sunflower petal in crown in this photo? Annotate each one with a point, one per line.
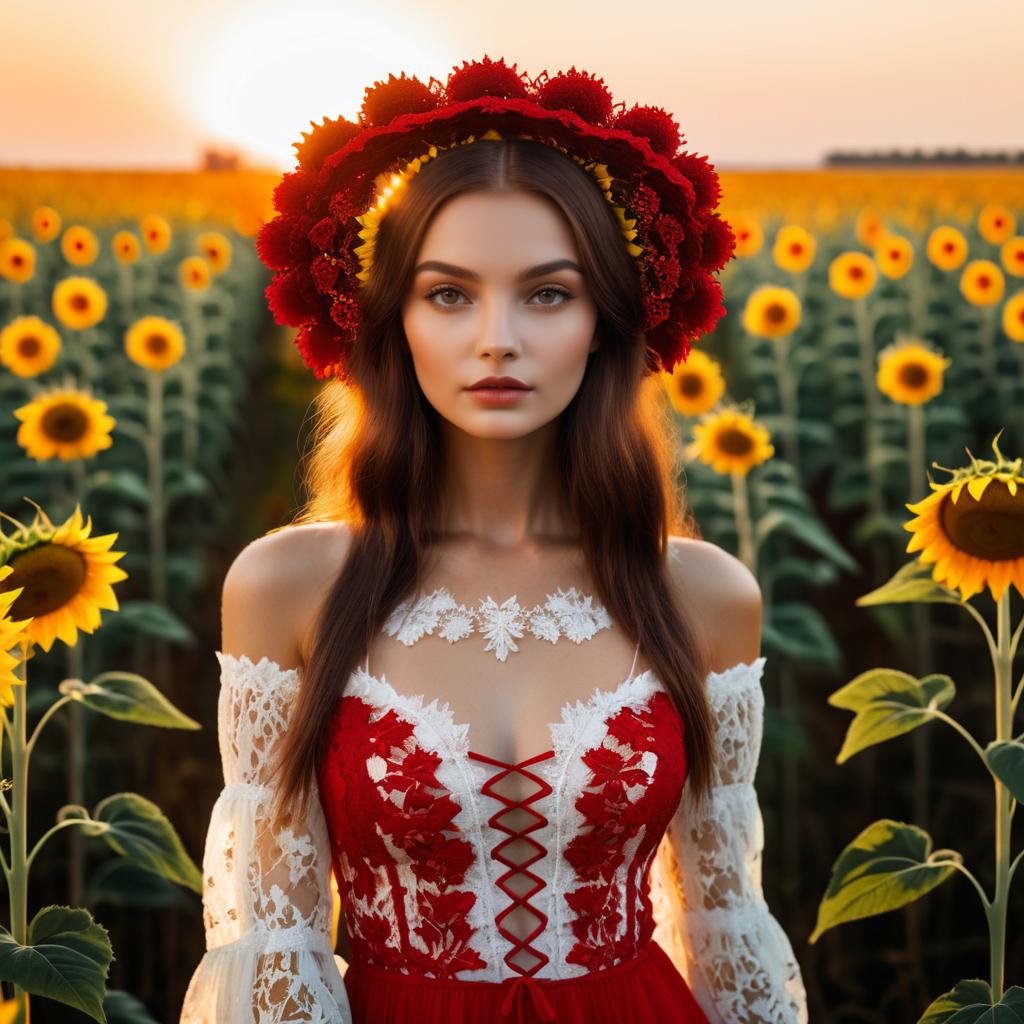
(910, 372)
(154, 342)
(29, 346)
(972, 527)
(869, 227)
(730, 441)
(64, 424)
(65, 577)
(696, 385)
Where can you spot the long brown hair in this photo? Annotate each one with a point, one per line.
(376, 458)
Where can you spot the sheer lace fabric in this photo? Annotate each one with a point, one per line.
(267, 900)
(706, 880)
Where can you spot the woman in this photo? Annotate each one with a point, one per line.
(565, 683)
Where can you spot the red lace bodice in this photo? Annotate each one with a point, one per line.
(421, 833)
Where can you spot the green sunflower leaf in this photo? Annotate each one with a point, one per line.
(970, 1002)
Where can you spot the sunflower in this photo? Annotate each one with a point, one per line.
(996, 223)
(217, 250)
(154, 342)
(1013, 317)
(1011, 255)
(156, 233)
(45, 223)
(65, 576)
(794, 248)
(975, 540)
(64, 423)
(11, 633)
(946, 247)
(894, 256)
(694, 386)
(79, 302)
(28, 346)
(772, 311)
(869, 227)
(79, 245)
(730, 441)
(17, 260)
(982, 283)
(749, 234)
(195, 273)
(910, 372)
(126, 247)
(852, 274)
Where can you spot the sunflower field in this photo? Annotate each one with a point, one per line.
(874, 336)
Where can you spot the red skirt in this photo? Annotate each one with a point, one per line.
(645, 990)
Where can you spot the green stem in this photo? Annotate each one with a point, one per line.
(788, 400)
(66, 823)
(18, 875)
(155, 451)
(997, 911)
(42, 721)
(744, 530)
(963, 870)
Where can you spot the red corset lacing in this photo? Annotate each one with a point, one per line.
(523, 986)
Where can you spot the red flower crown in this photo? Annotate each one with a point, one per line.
(320, 244)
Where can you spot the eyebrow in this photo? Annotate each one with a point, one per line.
(526, 275)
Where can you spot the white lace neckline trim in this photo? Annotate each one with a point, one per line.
(565, 613)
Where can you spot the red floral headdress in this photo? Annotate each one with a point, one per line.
(321, 243)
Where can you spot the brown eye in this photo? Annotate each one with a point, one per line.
(443, 289)
(552, 291)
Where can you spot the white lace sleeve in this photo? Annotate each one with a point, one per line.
(709, 907)
(267, 904)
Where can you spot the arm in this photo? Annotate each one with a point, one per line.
(710, 909)
(267, 904)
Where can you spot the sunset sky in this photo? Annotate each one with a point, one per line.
(137, 83)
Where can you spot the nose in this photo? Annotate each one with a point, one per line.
(498, 335)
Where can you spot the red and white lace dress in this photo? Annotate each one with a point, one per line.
(572, 886)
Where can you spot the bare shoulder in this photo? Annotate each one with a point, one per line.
(272, 589)
(722, 594)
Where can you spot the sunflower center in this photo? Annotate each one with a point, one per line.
(156, 343)
(775, 313)
(913, 375)
(894, 254)
(733, 441)
(16, 260)
(796, 248)
(948, 247)
(991, 529)
(984, 280)
(856, 273)
(691, 385)
(51, 575)
(79, 302)
(65, 422)
(29, 346)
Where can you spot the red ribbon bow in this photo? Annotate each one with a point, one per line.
(520, 986)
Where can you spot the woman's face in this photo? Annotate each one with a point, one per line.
(498, 291)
